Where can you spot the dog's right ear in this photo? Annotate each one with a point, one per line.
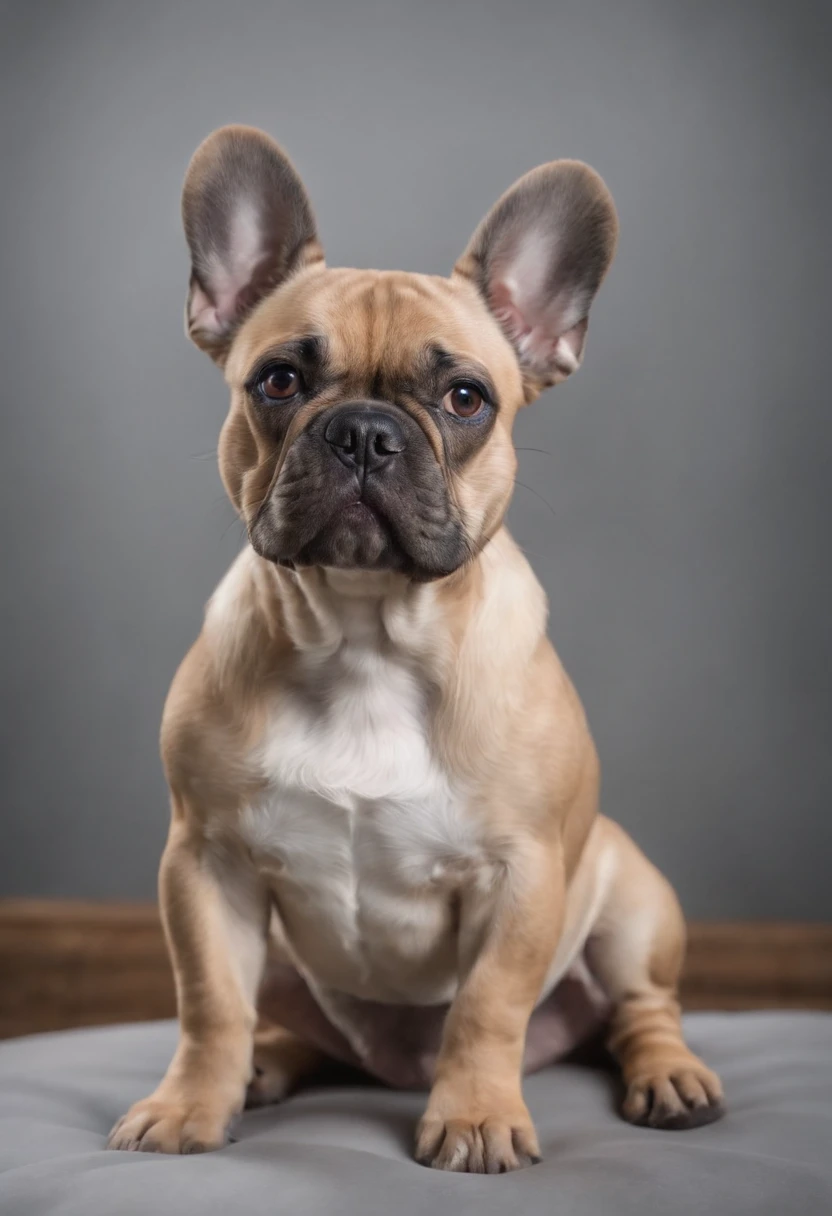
(249, 225)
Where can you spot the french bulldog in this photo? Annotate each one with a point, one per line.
(385, 844)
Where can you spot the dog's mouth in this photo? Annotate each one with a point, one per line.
(360, 511)
(360, 535)
(357, 529)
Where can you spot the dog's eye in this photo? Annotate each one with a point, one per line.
(280, 382)
(464, 400)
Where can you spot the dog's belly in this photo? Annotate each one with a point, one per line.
(399, 1044)
(366, 891)
(390, 1021)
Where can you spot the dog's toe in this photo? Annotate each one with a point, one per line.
(157, 1125)
(675, 1101)
(491, 1146)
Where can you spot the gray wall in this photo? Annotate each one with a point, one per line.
(674, 498)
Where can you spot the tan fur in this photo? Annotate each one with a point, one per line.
(548, 879)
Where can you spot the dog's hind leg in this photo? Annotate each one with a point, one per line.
(281, 1061)
(635, 951)
(293, 1039)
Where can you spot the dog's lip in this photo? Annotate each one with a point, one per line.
(359, 507)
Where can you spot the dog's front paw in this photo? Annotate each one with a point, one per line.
(674, 1098)
(477, 1143)
(164, 1124)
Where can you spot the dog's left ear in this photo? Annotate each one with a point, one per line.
(538, 258)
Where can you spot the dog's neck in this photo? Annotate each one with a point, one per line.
(313, 611)
(491, 614)
(367, 585)
(324, 608)
(463, 640)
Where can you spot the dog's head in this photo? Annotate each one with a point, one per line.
(371, 411)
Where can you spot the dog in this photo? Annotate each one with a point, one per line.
(385, 844)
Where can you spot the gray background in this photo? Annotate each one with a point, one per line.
(677, 512)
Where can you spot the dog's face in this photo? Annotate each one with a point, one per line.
(371, 412)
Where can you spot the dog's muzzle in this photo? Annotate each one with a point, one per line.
(361, 488)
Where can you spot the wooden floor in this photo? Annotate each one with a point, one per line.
(66, 964)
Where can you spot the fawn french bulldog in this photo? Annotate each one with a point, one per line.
(385, 843)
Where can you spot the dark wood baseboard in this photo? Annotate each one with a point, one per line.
(65, 964)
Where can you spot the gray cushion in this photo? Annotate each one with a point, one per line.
(346, 1149)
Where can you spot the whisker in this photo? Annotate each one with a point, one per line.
(537, 495)
(527, 552)
(244, 533)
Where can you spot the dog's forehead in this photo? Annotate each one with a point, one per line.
(376, 319)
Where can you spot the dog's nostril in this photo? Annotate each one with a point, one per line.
(340, 434)
(386, 445)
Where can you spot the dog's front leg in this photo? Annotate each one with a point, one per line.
(216, 921)
(476, 1119)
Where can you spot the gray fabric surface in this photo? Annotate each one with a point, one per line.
(345, 1149)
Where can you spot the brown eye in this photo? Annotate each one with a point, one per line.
(280, 382)
(464, 400)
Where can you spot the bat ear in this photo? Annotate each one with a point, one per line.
(249, 226)
(538, 259)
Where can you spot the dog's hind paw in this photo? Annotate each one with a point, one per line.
(675, 1100)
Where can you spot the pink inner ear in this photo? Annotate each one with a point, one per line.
(229, 274)
(541, 315)
(539, 345)
(202, 314)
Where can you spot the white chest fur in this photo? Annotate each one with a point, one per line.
(360, 826)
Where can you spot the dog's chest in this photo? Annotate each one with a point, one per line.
(362, 834)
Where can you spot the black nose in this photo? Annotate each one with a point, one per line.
(363, 438)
